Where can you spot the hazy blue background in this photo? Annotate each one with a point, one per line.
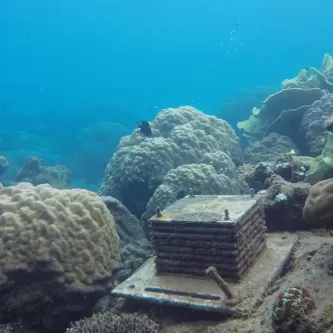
(66, 64)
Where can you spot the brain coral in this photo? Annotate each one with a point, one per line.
(67, 233)
(56, 247)
(318, 208)
(181, 136)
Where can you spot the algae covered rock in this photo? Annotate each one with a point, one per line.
(287, 214)
(320, 167)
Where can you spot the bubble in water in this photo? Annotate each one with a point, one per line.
(233, 44)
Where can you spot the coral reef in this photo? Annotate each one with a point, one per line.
(268, 149)
(109, 322)
(180, 136)
(298, 116)
(34, 171)
(3, 165)
(134, 247)
(318, 208)
(59, 251)
(284, 213)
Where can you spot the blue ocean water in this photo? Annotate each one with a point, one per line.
(76, 75)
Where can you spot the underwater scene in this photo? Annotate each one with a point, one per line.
(166, 166)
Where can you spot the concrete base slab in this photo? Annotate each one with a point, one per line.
(202, 293)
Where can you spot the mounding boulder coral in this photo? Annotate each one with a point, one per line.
(180, 136)
(318, 208)
(58, 254)
(268, 149)
(201, 178)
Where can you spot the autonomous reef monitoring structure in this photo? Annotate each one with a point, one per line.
(211, 253)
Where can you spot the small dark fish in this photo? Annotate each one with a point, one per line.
(145, 128)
